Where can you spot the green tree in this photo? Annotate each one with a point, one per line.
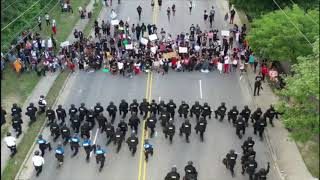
(300, 104)
(273, 36)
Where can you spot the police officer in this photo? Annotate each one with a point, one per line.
(110, 132)
(256, 115)
(82, 111)
(75, 123)
(164, 117)
(186, 129)
(240, 126)
(100, 156)
(139, 10)
(183, 109)
(259, 126)
(43, 145)
(59, 153)
(90, 118)
(161, 106)
(190, 171)
(151, 123)
(262, 173)
(153, 108)
(171, 106)
(247, 154)
(85, 130)
(249, 166)
(55, 130)
(132, 142)
(42, 104)
(134, 106)
(231, 158)
(123, 108)
(118, 138)
(98, 109)
(169, 130)
(270, 114)
(65, 133)
(143, 107)
(123, 127)
(245, 113)
(102, 121)
(16, 110)
(148, 149)
(221, 111)
(75, 144)
(134, 121)
(31, 112)
(232, 114)
(206, 110)
(88, 147)
(112, 110)
(16, 124)
(249, 143)
(196, 109)
(173, 174)
(73, 110)
(61, 114)
(257, 87)
(51, 115)
(201, 127)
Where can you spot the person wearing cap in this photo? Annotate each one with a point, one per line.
(144, 107)
(42, 104)
(59, 153)
(151, 124)
(148, 149)
(183, 109)
(134, 122)
(196, 109)
(132, 142)
(245, 113)
(232, 115)
(38, 162)
(31, 112)
(190, 171)
(173, 174)
(16, 110)
(16, 124)
(55, 130)
(256, 115)
(11, 143)
(186, 129)
(169, 130)
(98, 109)
(206, 111)
(171, 106)
(43, 145)
(270, 114)
(201, 127)
(82, 111)
(123, 108)
(88, 147)
(61, 114)
(100, 156)
(112, 110)
(153, 108)
(221, 111)
(73, 110)
(74, 144)
(230, 161)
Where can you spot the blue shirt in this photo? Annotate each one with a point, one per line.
(75, 139)
(100, 151)
(86, 143)
(147, 146)
(41, 141)
(59, 150)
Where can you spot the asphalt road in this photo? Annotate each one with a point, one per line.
(211, 87)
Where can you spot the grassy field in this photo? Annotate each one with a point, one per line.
(310, 155)
(14, 163)
(95, 13)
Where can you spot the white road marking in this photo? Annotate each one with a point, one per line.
(159, 98)
(200, 89)
(94, 140)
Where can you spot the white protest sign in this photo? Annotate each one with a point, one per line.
(154, 49)
(144, 41)
(183, 50)
(115, 22)
(197, 48)
(225, 33)
(129, 46)
(64, 44)
(153, 37)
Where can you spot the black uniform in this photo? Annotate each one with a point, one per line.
(82, 112)
(257, 87)
(61, 113)
(42, 104)
(123, 127)
(112, 110)
(55, 130)
(191, 172)
(132, 142)
(73, 110)
(206, 111)
(173, 175)
(259, 126)
(161, 106)
(85, 130)
(119, 136)
(75, 123)
(262, 173)
(169, 130)
(221, 111)
(249, 143)
(110, 132)
(98, 109)
(256, 115)
(143, 107)
(123, 108)
(245, 113)
(270, 114)
(151, 123)
(74, 144)
(51, 115)
(134, 107)
(102, 121)
(134, 121)
(186, 129)
(139, 10)
(231, 161)
(91, 118)
(65, 133)
(196, 109)
(16, 110)
(232, 114)
(153, 108)
(31, 112)
(164, 117)
(250, 167)
(240, 126)
(183, 109)
(171, 106)
(16, 124)
(201, 127)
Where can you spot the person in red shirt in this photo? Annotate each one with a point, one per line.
(173, 62)
(264, 71)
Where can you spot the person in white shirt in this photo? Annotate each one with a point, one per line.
(11, 143)
(47, 17)
(120, 67)
(38, 162)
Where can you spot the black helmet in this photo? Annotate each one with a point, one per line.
(183, 102)
(246, 107)
(8, 133)
(37, 153)
(134, 100)
(197, 102)
(123, 100)
(187, 120)
(234, 107)
(223, 104)
(82, 104)
(171, 100)
(40, 136)
(201, 118)
(162, 101)
(259, 109)
(72, 105)
(98, 104)
(206, 104)
(31, 104)
(111, 102)
(231, 151)
(153, 101)
(14, 105)
(59, 106)
(174, 169)
(42, 96)
(144, 100)
(249, 138)
(190, 163)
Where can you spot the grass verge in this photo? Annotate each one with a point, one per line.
(310, 154)
(13, 165)
(95, 13)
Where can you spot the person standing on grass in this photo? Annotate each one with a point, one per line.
(38, 162)
(232, 14)
(54, 27)
(11, 143)
(47, 19)
(39, 23)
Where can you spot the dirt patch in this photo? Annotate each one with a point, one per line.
(8, 100)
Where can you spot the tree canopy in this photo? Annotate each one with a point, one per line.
(274, 37)
(301, 97)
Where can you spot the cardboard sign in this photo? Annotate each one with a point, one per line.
(113, 15)
(154, 49)
(197, 48)
(170, 55)
(115, 22)
(225, 33)
(144, 41)
(64, 44)
(129, 46)
(153, 37)
(183, 50)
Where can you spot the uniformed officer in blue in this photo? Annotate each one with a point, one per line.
(100, 156)
(75, 144)
(148, 149)
(59, 154)
(43, 145)
(88, 147)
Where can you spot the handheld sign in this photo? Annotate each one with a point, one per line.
(183, 50)
(154, 49)
(144, 41)
(64, 44)
(153, 37)
(129, 46)
(115, 22)
(225, 33)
